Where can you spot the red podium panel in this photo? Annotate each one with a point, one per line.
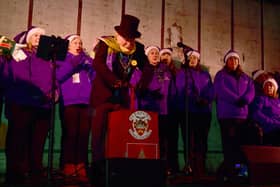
(132, 134)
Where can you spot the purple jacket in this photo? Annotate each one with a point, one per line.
(30, 81)
(155, 96)
(266, 112)
(75, 75)
(233, 95)
(197, 85)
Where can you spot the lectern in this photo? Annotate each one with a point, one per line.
(132, 149)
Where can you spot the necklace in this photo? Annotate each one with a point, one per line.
(125, 61)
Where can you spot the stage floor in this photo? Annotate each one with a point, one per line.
(179, 182)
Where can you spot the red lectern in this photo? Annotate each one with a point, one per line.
(132, 134)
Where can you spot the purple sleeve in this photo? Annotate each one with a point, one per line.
(265, 121)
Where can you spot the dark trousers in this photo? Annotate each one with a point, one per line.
(234, 134)
(199, 125)
(1, 105)
(163, 131)
(176, 119)
(99, 124)
(168, 141)
(272, 138)
(75, 134)
(194, 134)
(27, 132)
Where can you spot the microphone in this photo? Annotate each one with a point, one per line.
(185, 47)
(180, 44)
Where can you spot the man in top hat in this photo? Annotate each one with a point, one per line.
(118, 62)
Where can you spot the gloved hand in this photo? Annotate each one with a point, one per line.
(240, 102)
(201, 101)
(156, 94)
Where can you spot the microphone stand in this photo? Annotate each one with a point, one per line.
(51, 128)
(187, 146)
(52, 48)
(187, 169)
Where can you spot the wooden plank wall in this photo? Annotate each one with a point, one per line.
(163, 23)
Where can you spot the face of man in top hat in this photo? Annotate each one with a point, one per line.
(126, 44)
(127, 31)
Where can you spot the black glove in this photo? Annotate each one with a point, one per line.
(201, 101)
(240, 102)
(156, 94)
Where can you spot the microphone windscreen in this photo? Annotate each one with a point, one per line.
(180, 44)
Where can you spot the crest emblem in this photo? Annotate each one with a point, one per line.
(140, 125)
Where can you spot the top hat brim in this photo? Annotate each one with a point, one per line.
(126, 34)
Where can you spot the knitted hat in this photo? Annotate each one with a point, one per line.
(257, 73)
(165, 50)
(128, 27)
(149, 48)
(25, 36)
(71, 37)
(273, 81)
(194, 53)
(32, 31)
(231, 53)
(19, 38)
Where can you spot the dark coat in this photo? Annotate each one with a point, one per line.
(103, 85)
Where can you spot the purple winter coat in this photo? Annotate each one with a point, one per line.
(266, 112)
(197, 85)
(75, 75)
(30, 81)
(233, 95)
(155, 96)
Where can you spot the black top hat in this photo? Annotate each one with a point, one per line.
(128, 27)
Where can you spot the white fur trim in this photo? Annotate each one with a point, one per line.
(72, 37)
(33, 31)
(165, 50)
(231, 54)
(273, 81)
(149, 48)
(194, 53)
(258, 73)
